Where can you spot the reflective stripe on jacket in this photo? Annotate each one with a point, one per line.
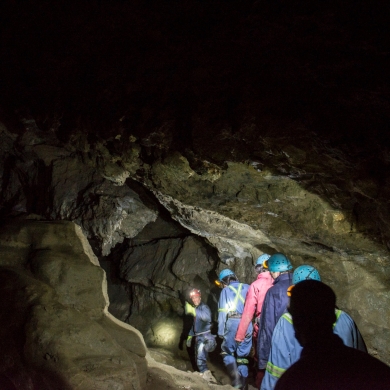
(286, 350)
(232, 299)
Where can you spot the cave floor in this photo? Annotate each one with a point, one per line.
(185, 364)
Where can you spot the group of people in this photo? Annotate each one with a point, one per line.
(300, 338)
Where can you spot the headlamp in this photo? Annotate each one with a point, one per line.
(265, 264)
(289, 290)
(218, 283)
(195, 292)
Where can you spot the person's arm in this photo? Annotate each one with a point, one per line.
(360, 344)
(267, 324)
(280, 357)
(348, 331)
(247, 315)
(190, 310)
(203, 313)
(189, 338)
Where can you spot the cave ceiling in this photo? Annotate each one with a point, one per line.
(200, 70)
(257, 126)
(300, 90)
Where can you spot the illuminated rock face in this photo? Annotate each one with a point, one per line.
(61, 335)
(184, 219)
(160, 275)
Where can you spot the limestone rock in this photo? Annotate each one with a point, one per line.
(106, 213)
(166, 263)
(159, 274)
(245, 212)
(57, 296)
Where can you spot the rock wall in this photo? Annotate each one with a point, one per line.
(245, 211)
(59, 333)
(160, 275)
(287, 200)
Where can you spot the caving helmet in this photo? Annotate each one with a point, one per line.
(262, 258)
(195, 292)
(305, 272)
(225, 273)
(278, 263)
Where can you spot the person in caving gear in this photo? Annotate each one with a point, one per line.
(285, 348)
(201, 331)
(325, 362)
(254, 302)
(230, 308)
(274, 305)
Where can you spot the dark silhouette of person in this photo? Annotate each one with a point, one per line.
(325, 362)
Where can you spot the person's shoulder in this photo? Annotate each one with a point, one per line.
(280, 285)
(341, 313)
(264, 276)
(286, 318)
(292, 378)
(246, 288)
(284, 324)
(343, 317)
(224, 291)
(347, 371)
(368, 360)
(283, 283)
(286, 278)
(264, 279)
(254, 285)
(272, 289)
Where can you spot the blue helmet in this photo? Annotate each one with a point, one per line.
(305, 272)
(224, 273)
(262, 258)
(278, 263)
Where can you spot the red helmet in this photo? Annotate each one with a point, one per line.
(195, 292)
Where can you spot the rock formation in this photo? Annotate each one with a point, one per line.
(60, 328)
(59, 333)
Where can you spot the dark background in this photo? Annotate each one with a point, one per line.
(133, 66)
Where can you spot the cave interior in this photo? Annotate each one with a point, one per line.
(147, 145)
